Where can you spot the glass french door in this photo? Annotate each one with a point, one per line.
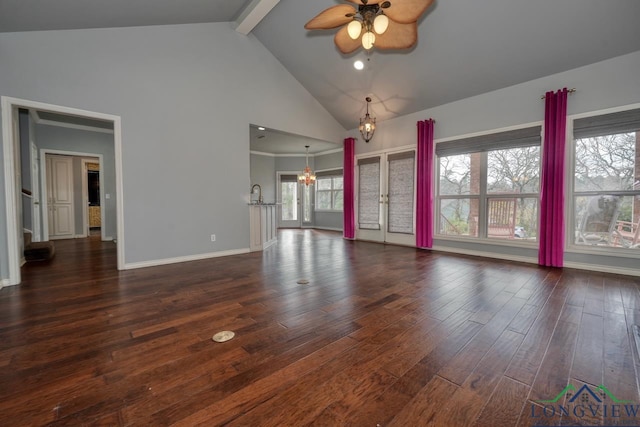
(295, 200)
(289, 201)
(385, 200)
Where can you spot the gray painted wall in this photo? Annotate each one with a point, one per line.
(4, 258)
(293, 163)
(597, 89)
(263, 172)
(328, 161)
(25, 151)
(84, 141)
(25, 166)
(331, 220)
(185, 120)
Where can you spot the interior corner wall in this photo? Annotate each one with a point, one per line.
(25, 170)
(263, 173)
(329, 220)
(328, 161)
(186, 95)
(607, 84)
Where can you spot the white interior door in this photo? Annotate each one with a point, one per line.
(60, 197)
(385, 200)
(289, 212)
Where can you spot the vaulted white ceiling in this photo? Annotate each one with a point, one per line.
(465, 47)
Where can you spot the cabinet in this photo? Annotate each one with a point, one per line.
(263, 228)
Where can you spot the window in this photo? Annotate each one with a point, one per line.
(329, 191)
(488, 185)
(606, 181)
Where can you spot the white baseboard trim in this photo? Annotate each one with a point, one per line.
(79, 236)
(6, 282)
(603, 268)
(327, 228)
(269, 244)
(166, 261)
(505, 257)
(576, 265)
(108, 239)
(23, 261)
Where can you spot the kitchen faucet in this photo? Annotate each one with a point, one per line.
(259, 192)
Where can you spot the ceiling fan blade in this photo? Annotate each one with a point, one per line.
(333, 17)
(345, 43)
(360, 2)
(406, 11)
(397, 36)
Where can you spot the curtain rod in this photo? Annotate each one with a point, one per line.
(570, 91)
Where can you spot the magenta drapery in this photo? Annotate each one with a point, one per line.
(349, 218)
(551, 234)
(424, 188)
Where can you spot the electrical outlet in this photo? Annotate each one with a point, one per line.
(213, 237)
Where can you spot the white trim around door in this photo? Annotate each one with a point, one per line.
(9, 107)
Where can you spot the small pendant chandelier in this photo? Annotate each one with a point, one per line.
(307, 177)
(367, 124)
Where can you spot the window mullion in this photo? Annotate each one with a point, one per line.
(482, 214)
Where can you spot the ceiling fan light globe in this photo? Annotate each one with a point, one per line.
(354, 29)
(368, 39)
(380, 24)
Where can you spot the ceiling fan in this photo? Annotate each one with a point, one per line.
(383, 24)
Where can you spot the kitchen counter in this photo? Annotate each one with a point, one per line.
(263, 225)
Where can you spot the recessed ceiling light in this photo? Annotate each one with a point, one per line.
(358, 65)
(260, 128)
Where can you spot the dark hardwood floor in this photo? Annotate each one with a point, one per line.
(381, 335)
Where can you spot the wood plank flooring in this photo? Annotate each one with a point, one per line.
(381, 336)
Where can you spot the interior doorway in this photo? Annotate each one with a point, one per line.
(13, 169)
(92, 211)
(71, 206)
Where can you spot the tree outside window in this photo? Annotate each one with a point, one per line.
(489, 186)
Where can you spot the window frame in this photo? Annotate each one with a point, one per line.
(483, 196)
(329, 174)
(571, 222)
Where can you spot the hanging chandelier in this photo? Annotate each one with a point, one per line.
(367, 124)
(307, 177)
